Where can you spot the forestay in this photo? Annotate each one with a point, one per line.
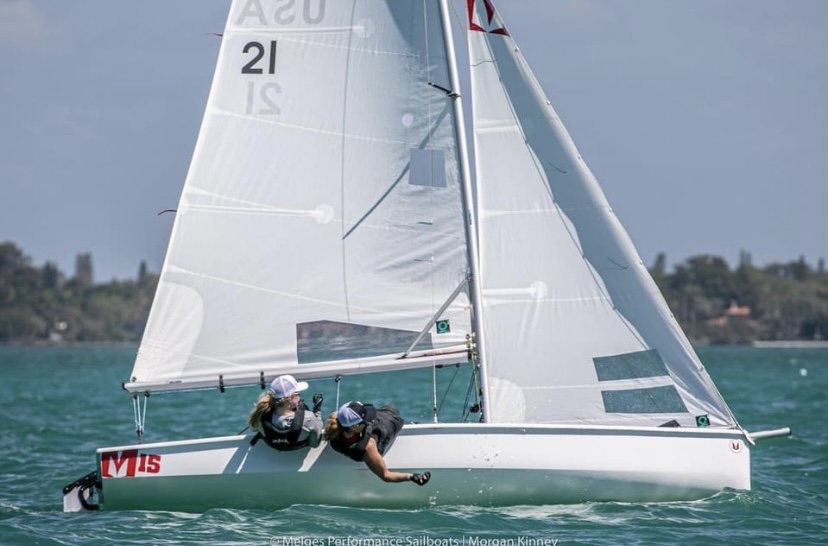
(576, 329)
(320, 228)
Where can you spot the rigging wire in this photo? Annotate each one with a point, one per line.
(466, 403)
(138, 415)
(475, 387)
(448, 388)
(457, 16)
(434, 409)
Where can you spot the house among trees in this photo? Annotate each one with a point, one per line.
(735, 312)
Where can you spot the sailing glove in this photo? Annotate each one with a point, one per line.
(317, 402)
(421, 479)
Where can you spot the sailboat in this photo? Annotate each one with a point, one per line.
(331, 224)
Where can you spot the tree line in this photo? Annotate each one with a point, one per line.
(714, 303)
(42, 305)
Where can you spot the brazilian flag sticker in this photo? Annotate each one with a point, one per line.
(442, 326)
(702, 421)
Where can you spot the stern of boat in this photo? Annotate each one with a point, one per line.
(83, 494)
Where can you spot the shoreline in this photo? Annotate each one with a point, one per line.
(791, 344)
(66, 344)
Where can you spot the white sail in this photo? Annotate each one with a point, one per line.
(576, 329)
(321, 218)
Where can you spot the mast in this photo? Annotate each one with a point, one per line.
(468, 209)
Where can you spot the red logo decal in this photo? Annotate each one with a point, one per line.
(490, 18)
(129, 463)
(735, 446)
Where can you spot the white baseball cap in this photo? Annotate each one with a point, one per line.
(285, 385)
(354, 413)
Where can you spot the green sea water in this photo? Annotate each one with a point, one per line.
(59, 404)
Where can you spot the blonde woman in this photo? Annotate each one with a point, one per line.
(282, 418)
(364, 433)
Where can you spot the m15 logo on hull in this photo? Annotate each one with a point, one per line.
(129, 463)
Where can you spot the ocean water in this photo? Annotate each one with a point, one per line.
(59, 404)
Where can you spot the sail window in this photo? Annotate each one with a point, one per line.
(663, 399)
(326, 340)
(428, 168)
(630, 366)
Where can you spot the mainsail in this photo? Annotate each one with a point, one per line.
(321, 228)
(576, 329)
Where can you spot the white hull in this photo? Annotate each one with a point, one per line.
(471, 464)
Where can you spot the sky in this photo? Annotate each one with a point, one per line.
(705, 121)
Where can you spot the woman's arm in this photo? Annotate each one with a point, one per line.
(313, 426)
(373, 459)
